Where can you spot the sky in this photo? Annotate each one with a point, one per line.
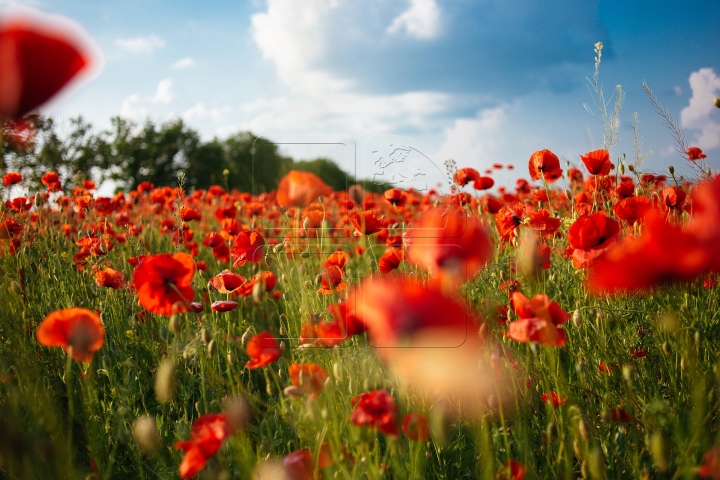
(393, 88)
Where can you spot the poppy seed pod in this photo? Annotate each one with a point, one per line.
(165, 380)
(145, 433)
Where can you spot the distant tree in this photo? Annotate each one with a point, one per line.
(151, 154)
(328, 171)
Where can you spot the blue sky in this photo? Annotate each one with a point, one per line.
(480, 81)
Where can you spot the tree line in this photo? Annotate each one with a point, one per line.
(131, 153)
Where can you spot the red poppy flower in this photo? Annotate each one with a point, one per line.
(464, 176)
(262, 350)
(207, 435)
(248, 246)
(195, 307)
(300, 189)
(135, 261)
(537, 330)
(309, 377)
(109, 278)
(543, 222)
(694, 154)
(188, 214)
(597, 162)
(366, 223)
(544, 164)
(337, 258)
(227, 281)
(415, 427)
(711, 464)
(620, 415)
(223, 306)
(395, 197)
(554, 398)
(78, 330)
(673, 198)
(638, 353)
(375, 409)
(446, 240)
(632, 209)
(390, 260)
(511, 470)
(298, 465)
(51, 180)
(483, 183)
(603, 367)
(509, 218)
(332, 280)
(12, 178)
(539, 306)
(38, 57)
(163, 281)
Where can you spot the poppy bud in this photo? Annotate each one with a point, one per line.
(577, 318)
(278, 248)
(246, 336)
(165, 380)
(282, 330)
(211, 348)
(671, 170)
(205, 335)
(305, 254)
(307, 285)
(306, 224)
(337, 371)
(621, 168)
(658, 450)
(258, 292)
(301, 269)
(631, 168)
(584, 470)
(597, 463)
(145, 433)
(16, 288)
(283, 278)
(666, 348)
(231, 358)
(175, 324)
(716, 102)
(39, 201)
(584, 431)
(576, 449)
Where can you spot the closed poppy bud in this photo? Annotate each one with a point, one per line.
(175, 324)
(671, 170)
(666, 348)
(577, 318)
(246, 336)
(211, 349)
(231, 358)
(258, 292)
(145, 433)
(716, 102)
(621, 167)
(305, 254)
(205, 335)
(16, 288)
(165, 380)
(631, 168)
(337, 371)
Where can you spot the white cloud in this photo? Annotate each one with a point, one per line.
(140, 44)
(705, 85)
(131, 109)
(164, 92)
(421, 20)
(476, 141)
(184, 63)
(293, 35)
(677, 90)
(199, 111)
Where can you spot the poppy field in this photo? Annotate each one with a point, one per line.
(565, 326)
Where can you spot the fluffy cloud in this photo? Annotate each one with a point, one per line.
(144, 45)
(705, 85)
(164, 92)
(476, 141)
(420, 20)
(200, 111)
(184, 63)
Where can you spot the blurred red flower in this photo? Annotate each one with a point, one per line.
(109, 278)
(207, 435)
(415, 427)
(227, 281)
(554, 398)
(11, 178)
(38, 57)
(262, 350)
(300, 189)
(78, 330)
(375, 409)
(694, 154)
(463, 176)
(511, 470)
(309, 377)
(298, 465)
